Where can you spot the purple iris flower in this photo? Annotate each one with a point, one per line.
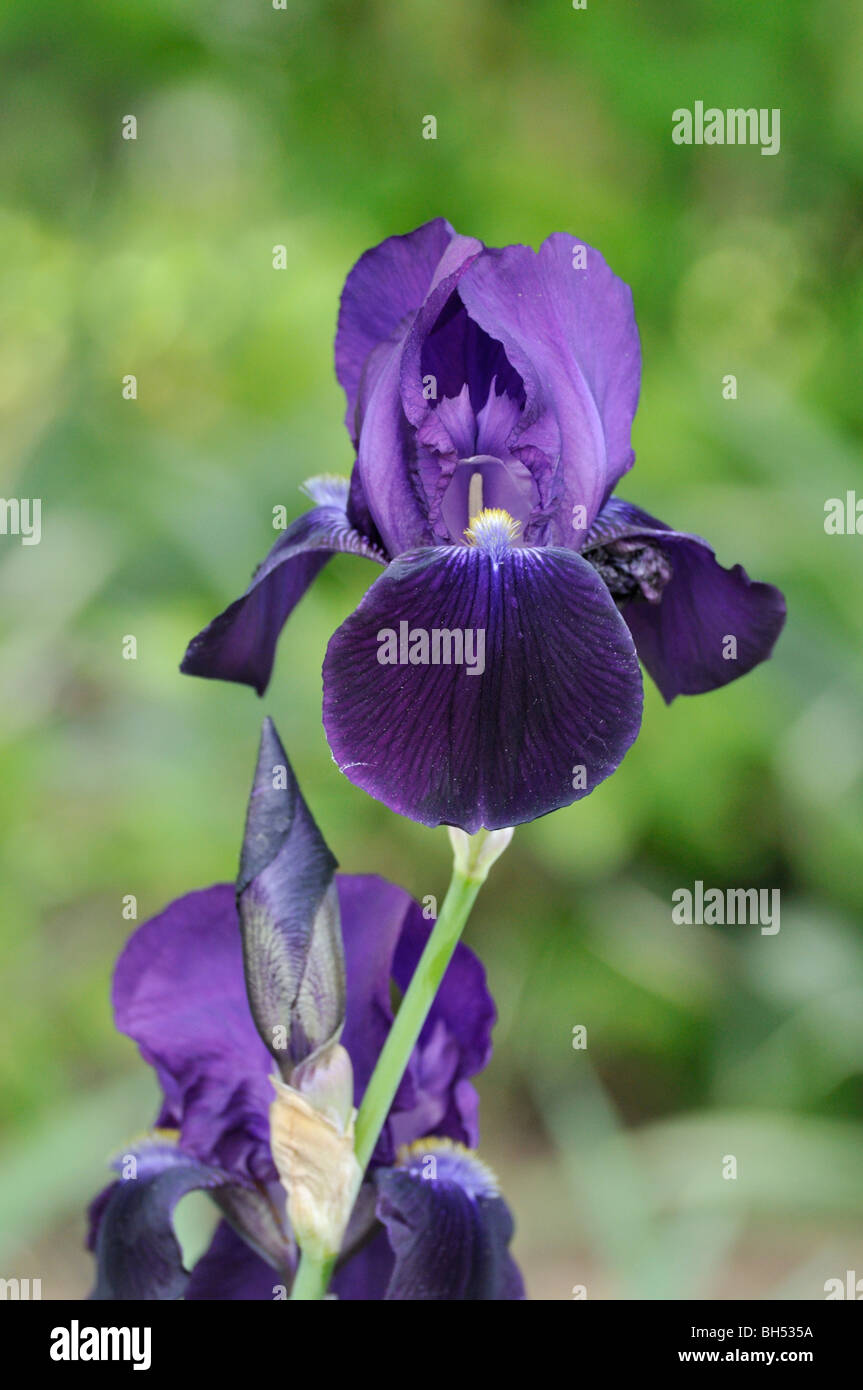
(491, 673)
(204, 987)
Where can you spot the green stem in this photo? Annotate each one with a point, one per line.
(412, 1014)
(474, 856)
(311, 1278)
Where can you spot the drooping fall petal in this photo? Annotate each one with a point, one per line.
(240, 643)
(479, 687)
(709, 625)
(448, 1226)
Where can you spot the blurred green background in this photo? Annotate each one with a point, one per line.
(302, 127)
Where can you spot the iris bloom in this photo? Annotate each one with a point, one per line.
(220, 985)
(490, 400)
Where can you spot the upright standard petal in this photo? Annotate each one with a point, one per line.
(567, 325)
(179, 994)
(448, 1226)
(482, 685)
(383, 291)
(389, 456)
(137, 1253)
(289, 916)
(707, 625)
(240, 644)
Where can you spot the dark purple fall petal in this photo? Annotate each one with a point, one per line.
(260, 1212)
(552, 713)
(683, 639)
(365, 1277)
(442, 1238)
(450, 1232)
(229, 1269)
(571, 335)
(289, 916)
(137, 1254)
(240, 644)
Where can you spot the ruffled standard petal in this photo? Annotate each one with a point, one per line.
(390, 458)
(709, 625)
(373, 914)
(569, 331)
(482, 687)
(384, 290)
(384, 933)
(179, 994)
(137, 1253)
(240, 644)
(449, 1228)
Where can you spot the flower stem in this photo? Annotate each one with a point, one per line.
(311, 1278)
(474, 856)
(412, 1013)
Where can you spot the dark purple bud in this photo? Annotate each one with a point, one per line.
(289, 917)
